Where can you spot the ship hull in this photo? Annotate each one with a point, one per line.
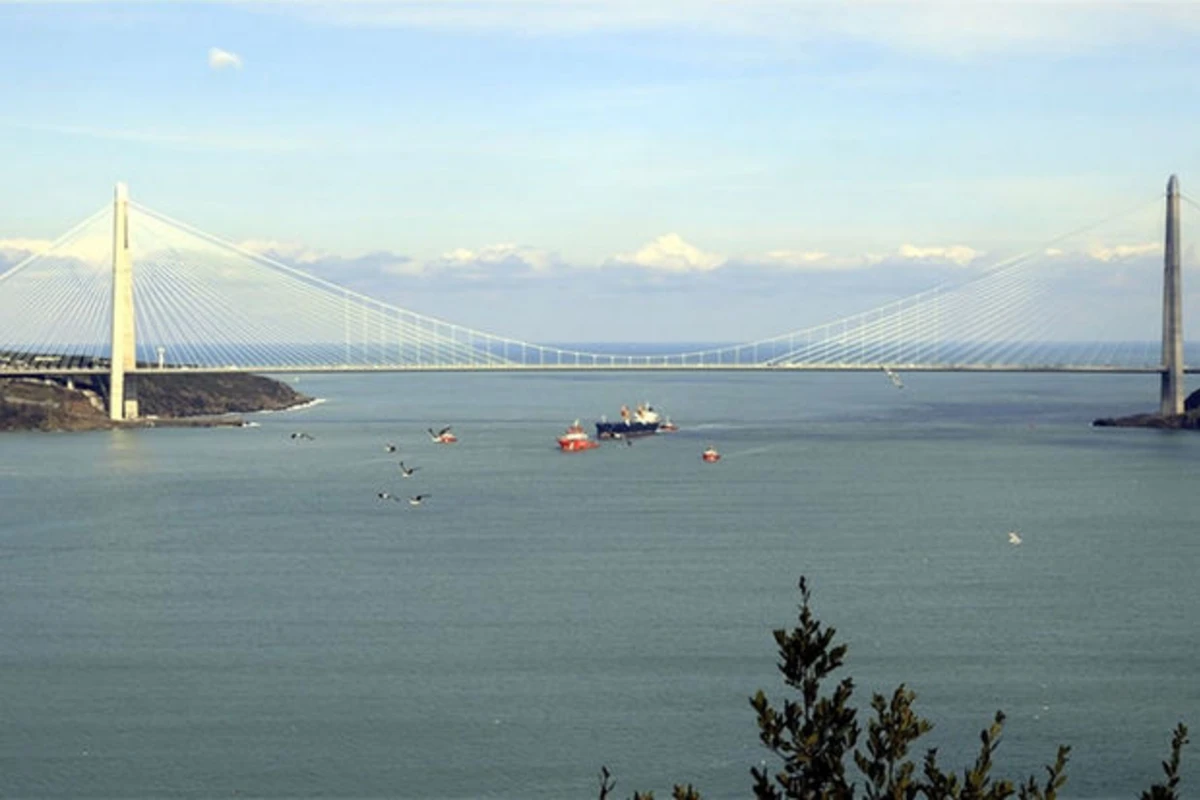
(576, 445)
(618, 430)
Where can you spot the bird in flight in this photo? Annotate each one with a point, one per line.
(444, 436)
(417, 499)
(302, 436)
(387, 496)
(407, 471)
(390, 448)
(1014, 538)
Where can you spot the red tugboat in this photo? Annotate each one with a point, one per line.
(444, 436)
(710, 455)
(576, 438)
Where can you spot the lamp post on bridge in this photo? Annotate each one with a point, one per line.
(1172, 375)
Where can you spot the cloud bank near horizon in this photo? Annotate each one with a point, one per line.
(666, 255)
(653, 292)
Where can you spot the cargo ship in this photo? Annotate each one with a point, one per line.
(642, 421)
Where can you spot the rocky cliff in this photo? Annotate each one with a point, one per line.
(49, 405)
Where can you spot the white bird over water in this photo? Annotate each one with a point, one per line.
(389, 447)
(416, 500)
(1014, 538)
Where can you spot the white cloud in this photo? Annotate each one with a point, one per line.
(955, 253)
(507, 255)
(1118, 252)
(813, 260)
(93, 246)
(23, 247)
(670, 253)
(290, 252)
(798, 257)
(222, 59)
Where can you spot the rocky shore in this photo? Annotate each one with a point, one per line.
(1189, 420)
(34, 404)
(1176, 422)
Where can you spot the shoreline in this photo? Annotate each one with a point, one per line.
(196, 401)
(310, 403)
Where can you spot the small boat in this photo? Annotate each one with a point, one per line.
(710, 455)
(667, 426)
(576, 438)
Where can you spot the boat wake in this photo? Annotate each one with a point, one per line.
(715, 426)
(310, 404)
(754, 451)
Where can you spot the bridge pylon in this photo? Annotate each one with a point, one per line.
(122, 395)
(1172, 393)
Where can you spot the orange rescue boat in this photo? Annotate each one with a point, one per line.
(575, 439)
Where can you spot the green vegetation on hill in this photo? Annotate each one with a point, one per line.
(35, 404)
(192, 395)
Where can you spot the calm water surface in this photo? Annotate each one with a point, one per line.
(216, 613)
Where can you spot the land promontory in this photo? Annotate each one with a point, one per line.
(1188, 420)
(54, 404)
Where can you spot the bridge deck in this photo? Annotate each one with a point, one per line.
(355, 368)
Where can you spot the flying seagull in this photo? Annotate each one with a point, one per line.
(387, 496)
(389, 447)
(407, 471)
(1014, 538)
(417, 499)
(894, 377)
(444, 436)
(302, 436)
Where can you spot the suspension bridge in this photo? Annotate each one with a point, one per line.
(130, 291)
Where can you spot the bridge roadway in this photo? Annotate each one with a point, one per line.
(833, 367)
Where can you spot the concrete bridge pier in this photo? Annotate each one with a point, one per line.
(122, 402)
(1172, 393)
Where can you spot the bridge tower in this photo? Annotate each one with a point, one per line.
(122, 396)
(1172, 375)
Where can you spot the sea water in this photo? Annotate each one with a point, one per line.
(230, 612)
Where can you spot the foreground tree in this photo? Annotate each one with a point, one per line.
(814, 735)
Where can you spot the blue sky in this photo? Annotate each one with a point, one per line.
(757, 154)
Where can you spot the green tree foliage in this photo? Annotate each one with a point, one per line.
(889, 776)
(814, 735)
(1168, 790)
